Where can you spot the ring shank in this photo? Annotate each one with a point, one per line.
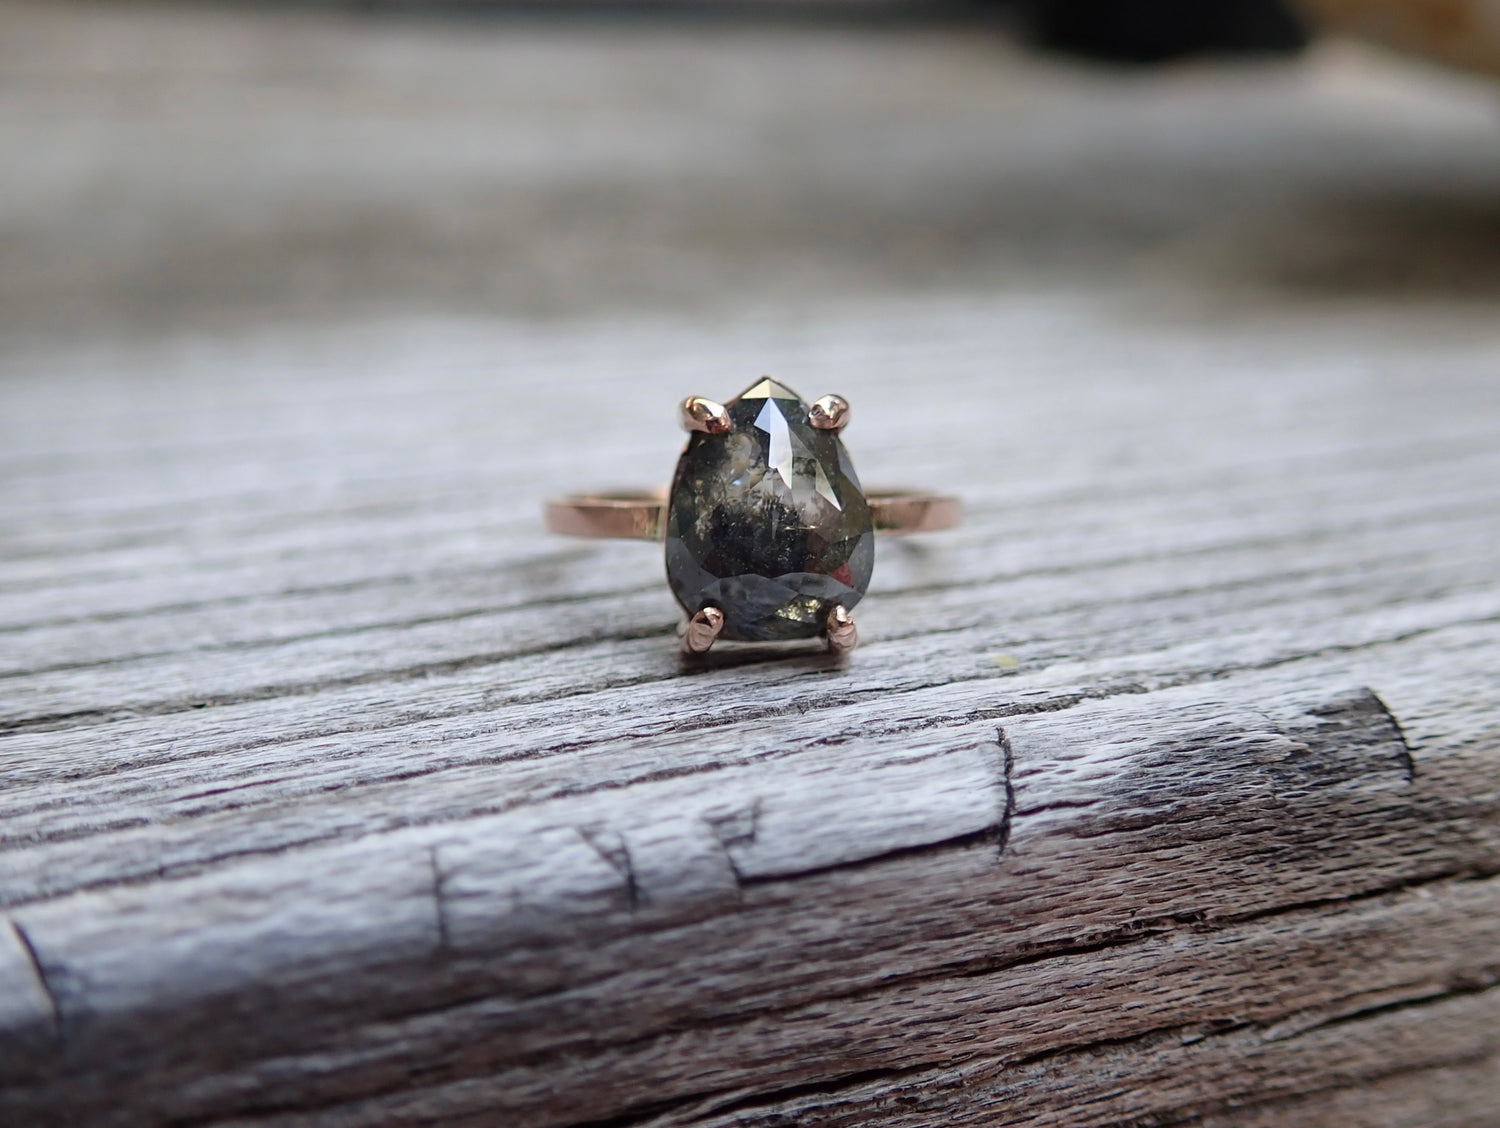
(641, 515)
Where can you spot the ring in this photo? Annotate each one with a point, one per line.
(768, 534)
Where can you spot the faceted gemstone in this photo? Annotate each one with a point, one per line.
(767, 522)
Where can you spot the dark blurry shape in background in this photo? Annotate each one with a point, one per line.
(1147, 31)
(1464, 33)
(1128, 31)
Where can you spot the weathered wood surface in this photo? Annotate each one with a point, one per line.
(333, 792)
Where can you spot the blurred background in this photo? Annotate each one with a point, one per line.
(179, 166)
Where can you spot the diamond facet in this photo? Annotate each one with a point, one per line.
(767, 522)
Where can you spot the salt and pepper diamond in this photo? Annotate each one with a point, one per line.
(768, 533)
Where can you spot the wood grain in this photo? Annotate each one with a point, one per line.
(334, 792)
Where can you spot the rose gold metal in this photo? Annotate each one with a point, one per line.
(641, 515)
(829, 413)
(840, 631)
(903, 512)
(702, 629)
(699, 414)
(625, 515)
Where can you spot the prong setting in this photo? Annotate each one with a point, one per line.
(705, 416)
(829, 413)
(702, 630)
(840, 631)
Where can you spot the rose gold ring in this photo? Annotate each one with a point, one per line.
(642, 514)
(769, 535)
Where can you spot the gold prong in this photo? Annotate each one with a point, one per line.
(702, 629)
(699, 414)
(840, 631)
(829, 413)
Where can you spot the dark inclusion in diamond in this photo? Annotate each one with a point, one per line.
(768, 522)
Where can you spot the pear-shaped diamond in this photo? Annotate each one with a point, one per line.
(767, 522)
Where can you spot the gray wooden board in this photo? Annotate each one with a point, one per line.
(334, 792)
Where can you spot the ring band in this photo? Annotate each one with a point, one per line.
(641, 515)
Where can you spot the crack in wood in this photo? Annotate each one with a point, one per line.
(40, 974)
(613, 848)
(737, 828)
(1408, 756)
(439, 905)
(1007, 789)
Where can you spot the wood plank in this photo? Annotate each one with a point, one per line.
(1061, 814)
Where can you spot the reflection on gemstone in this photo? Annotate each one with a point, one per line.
(768, 522)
